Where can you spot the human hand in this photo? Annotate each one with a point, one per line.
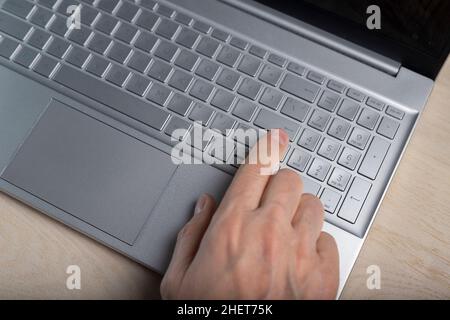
(264, 241)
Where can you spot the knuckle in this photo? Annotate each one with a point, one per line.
(276, 210)
(312, 202)
(292, 178)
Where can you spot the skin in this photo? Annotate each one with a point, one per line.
(264, 241)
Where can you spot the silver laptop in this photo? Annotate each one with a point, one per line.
(92, 91)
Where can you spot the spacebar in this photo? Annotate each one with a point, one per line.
(112, 97)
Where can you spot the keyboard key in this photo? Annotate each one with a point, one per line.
(119, 52)
(117, 75)
(166, 51)
(207, 69)
(354, 200)
(207, 47)
(339, 129)
(330, 200)
(45, 66)
(25, 57)
(180, 80)
(394, 112)
(359, 138)
(223, 100)
(58, 47)
(201, 90)
(47, 3)
(239, 43)
(148, 4)
(88, 15)
(249, 65)
(249, 88)
(309, 139)
(228, 56)
(41, 17)
(368, 118)
(348, 109)
(336, 86)
(116, 99)
(201, 26)
(222, 150)
(99, 43)
(228, 79)
(139, 61)
(180, 104)
(77, 57)
(296, 68)
(158, 94)
(270, 75)
(147, 20)
(339, 179)
(201, 113)
(165, 11)
(299, 160)
(258, 51)
(187, 38)
(7, 47)
(329, 149)
(186, 60)
(295, 109)
(97, 66)
(270, 120)
(244, 110)
(125, 32)
(355, 94)
(316, 77)
(349, 158)
(108, 5)
(177, 128)
(319, 120)
(319, 169)
(127, 11)
(183, 19)
(310, 186)
(160, 71)
(79, 36)
(106, 24)
(146, 41)
(277, 60)
(328, 101)
(19, 8)
(38, 39)
(138, 84)
(271, 98)
(64, 6)
(388, 127)
(167, 29)
(13, 26)
(223, 124)
(374, 103)
(300, 88)
(220, 35)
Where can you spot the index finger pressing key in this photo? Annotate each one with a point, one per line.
(251, 179)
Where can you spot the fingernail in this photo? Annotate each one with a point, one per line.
(201, 202)
(284, 138)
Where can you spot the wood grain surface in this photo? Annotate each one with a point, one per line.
(409, 240)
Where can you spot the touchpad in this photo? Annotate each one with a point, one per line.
(91, 170)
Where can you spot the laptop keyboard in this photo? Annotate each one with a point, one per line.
(167, 70)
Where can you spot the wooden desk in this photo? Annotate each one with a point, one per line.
(409, 241)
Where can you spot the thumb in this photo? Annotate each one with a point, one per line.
(190, 237)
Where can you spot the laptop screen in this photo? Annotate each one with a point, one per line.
(415, 33)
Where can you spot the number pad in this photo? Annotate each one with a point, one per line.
(299, 160)
(339, 129)
(309, 140)
(339, 179)
(359, 138)
(329, 149)
(349, 158)
(330, 200)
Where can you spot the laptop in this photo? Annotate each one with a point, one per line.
(93, 90)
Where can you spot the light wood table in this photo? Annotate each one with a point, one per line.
(409, 240)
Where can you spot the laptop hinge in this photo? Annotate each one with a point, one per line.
(317, 35)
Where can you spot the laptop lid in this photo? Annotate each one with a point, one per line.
(414, 33)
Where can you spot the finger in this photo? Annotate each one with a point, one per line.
(329, 262)
(308, 219)
(251, 179)
(190, 237)
(284, 189)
